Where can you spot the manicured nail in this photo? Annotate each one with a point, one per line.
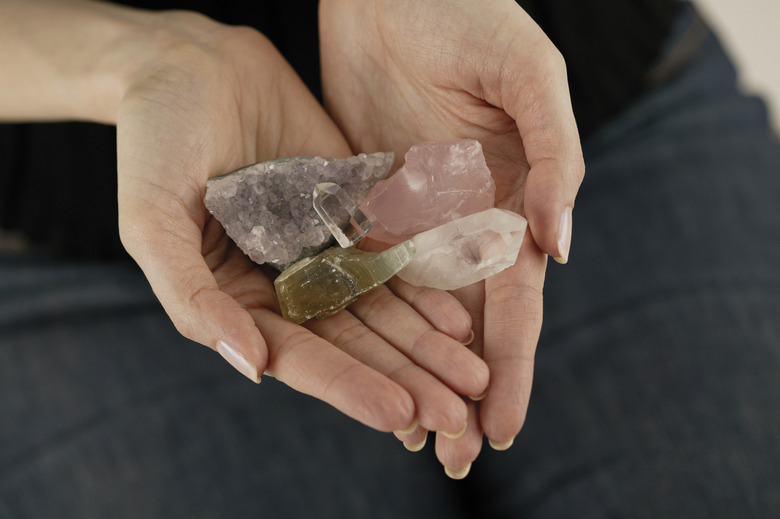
(564, 236)
(470, 339)
(479, 397)
(501, 446)
(458, 474)
(412, 427)
(415, 447)
(456, 435)
(237, 360)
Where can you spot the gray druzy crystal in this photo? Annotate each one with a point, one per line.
(266, 208)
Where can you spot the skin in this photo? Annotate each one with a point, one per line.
(398, 72)
(193, 99)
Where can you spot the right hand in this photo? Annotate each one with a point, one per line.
(398, 72)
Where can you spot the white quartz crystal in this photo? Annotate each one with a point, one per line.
(466, 250)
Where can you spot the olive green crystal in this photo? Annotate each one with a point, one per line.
(322, 285)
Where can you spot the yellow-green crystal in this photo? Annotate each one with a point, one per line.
(324, 284)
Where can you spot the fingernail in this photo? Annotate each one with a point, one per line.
(412, 427)
(501, 446)
(564, 236)
(479, 397)
(415, 447)
(470, 339)
(456, 435)
(237, 360)
(458, 474)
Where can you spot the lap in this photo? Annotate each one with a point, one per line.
(107, 412)
(657, 386)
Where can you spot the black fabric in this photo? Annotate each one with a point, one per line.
(58, 187)
(57, 181)
(609, 46)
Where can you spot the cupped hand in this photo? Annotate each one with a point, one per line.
(203, 99)
(398, 72)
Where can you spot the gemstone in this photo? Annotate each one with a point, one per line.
(267, 209)
(439, 182)
(322, 285)
(467, 250)
(341, 215)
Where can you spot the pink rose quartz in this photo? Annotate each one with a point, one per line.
(439, 182)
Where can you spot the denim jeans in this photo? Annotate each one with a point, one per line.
(657, 384)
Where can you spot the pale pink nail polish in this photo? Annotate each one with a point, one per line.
(501, 446)
(479, 397)
(564, 236)
(411, 428)
(416, 447)
(458, 474)
(237, 359)
(456, 435)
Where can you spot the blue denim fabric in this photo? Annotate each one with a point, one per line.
(105, 411)
(657, 387)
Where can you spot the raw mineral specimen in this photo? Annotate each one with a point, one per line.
(345, 221)
(266, 208)
(323, 285)
(466, 250)
(439, 182)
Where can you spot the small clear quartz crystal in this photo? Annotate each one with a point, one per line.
(467, 250)
(321, 286)
(345, 221)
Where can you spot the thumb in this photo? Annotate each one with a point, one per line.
(534, 92)
(168, 250)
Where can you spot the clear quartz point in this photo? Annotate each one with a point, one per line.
(324, 284)
(467, 250)
(341, 215)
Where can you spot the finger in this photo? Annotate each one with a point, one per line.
(311, 365)
(513, 321)
(167, 247)
(437, 407)
(457, 454)
(536, 95)
(438, 307)
(472, 298)
(400, 325)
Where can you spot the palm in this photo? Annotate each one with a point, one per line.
(407, 72)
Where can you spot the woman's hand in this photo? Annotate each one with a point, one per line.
(398, 72)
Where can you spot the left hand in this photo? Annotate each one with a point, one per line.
(398, 72)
